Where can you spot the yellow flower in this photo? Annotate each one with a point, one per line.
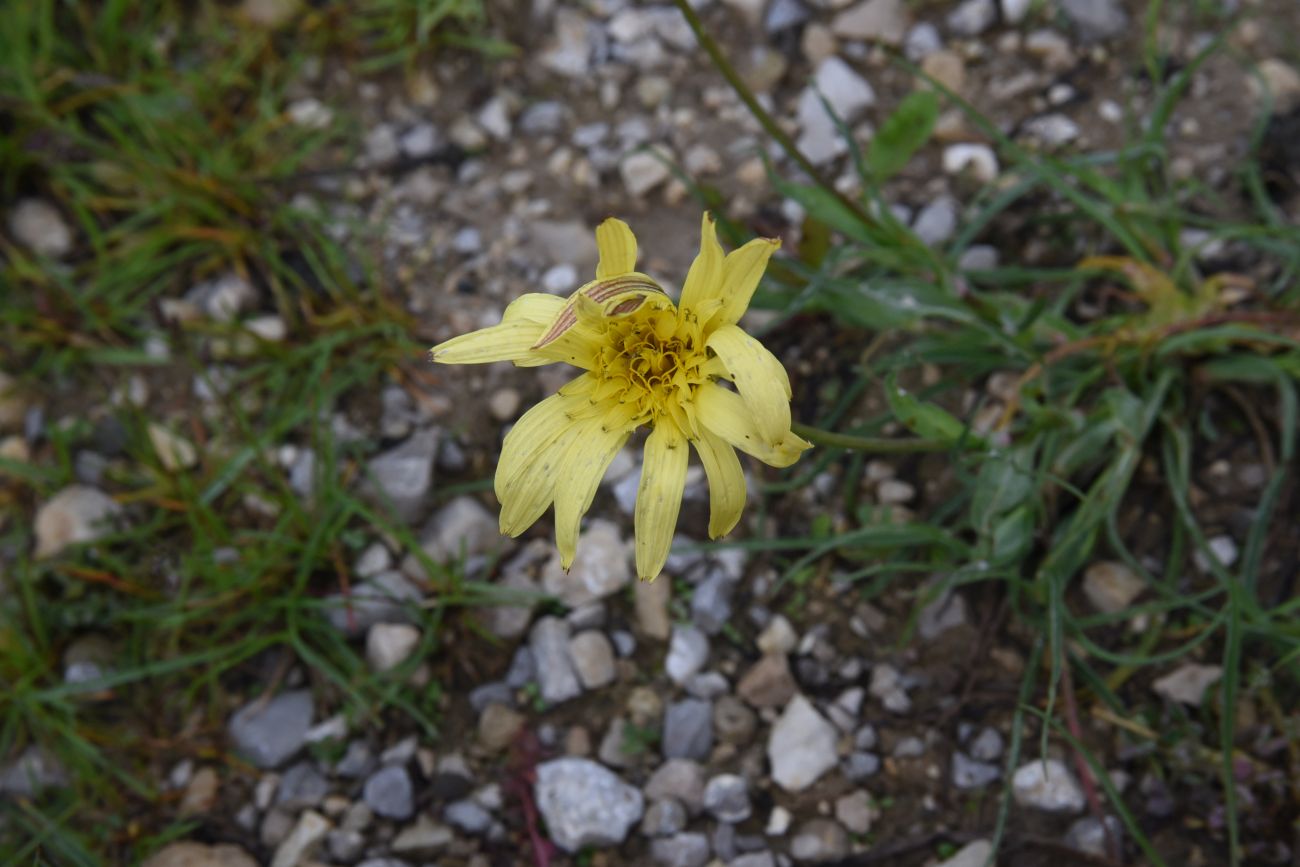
(646, 362)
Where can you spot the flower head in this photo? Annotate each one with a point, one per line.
(646, 362)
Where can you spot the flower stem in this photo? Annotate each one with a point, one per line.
(876, 445)
(769, 124)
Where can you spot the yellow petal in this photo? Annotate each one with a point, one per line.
(726, 482)
(759, 377)
(535, 431)
(528, 493)
(509, 341)
(617, 246)
(704, 280)
(659, 498)
(534, 307)
(724, 413)
(741, 271)
(579, 477)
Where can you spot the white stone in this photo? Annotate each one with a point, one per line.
(38, 226)
(556, 678)
(875, 20)
(305, 836)
(1224, 549)
(419, 141)
(642, 171)
(388, 645)
(560, 279)
(972, 17)
(569, 53)
(1053, 130)
(1188, 683)
(778, 822)
(978, 159)
(504, 404)
(1048, 785)
(1111, 586)
(1014, 11)
(847, 92)
(778, 636)
(688, 651)
(76, 514)
(585, 804)
(973, 854)
(310, 113)
(494, 118)
(174, 452)
(601, 568)
(801, 747)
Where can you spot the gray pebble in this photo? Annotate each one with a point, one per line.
(967, 773)
(689, 849)
(726, 796)
(688, 730)
(467, 816)
(663, 818)
(269, 734)
(389, 793)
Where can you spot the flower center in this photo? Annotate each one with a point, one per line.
(650, 365)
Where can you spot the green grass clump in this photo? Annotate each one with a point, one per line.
(1108, 416)
(162, 131)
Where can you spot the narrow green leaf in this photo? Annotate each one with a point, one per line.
(902, 134)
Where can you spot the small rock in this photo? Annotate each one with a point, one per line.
(801, 747)
(937, 221)
(1014, 11)
(768, 683)
(302, 787)
(975, 854)
(1090, 835)
(969, 774)
(584, 804)
(688, 730)
(644, 170)
(943, 614)
(688, 849)
(977, 159)
(200, 793)
(504, 404)
(783, 15)
(819, 840)
(922, 41)
(753, 859)
(560, 279)
(909, 747)
(778, 637)
(600, 569)
(389, 793)
(549, 641)
(498, 726)
(592, 658)
(270, 733)
(388, 645)
(1111, 586)
(1282, 82)
(494, 118)
(544, 118)
(422, 838)
(302, 840)
(569, 53)
(1224, 549)
(1096, 20)
(38, 226)
(652, 599)
(402, 476)
(680, 779)
(875, 20)
(1048, 785)
(856, 812)
(75, 515)
(727, 797)
(847, 93)
(987, 745)
(663, 818)
(174, 452)
(1188, 683)
(711, 603)
(187, 854)
(386, 598)
(467, 816)
(462, 528)
(345, 845)
(31, 773)
(420, 141)
(687, 653)
(972, 17)
(733, 721)
(1053, 130)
